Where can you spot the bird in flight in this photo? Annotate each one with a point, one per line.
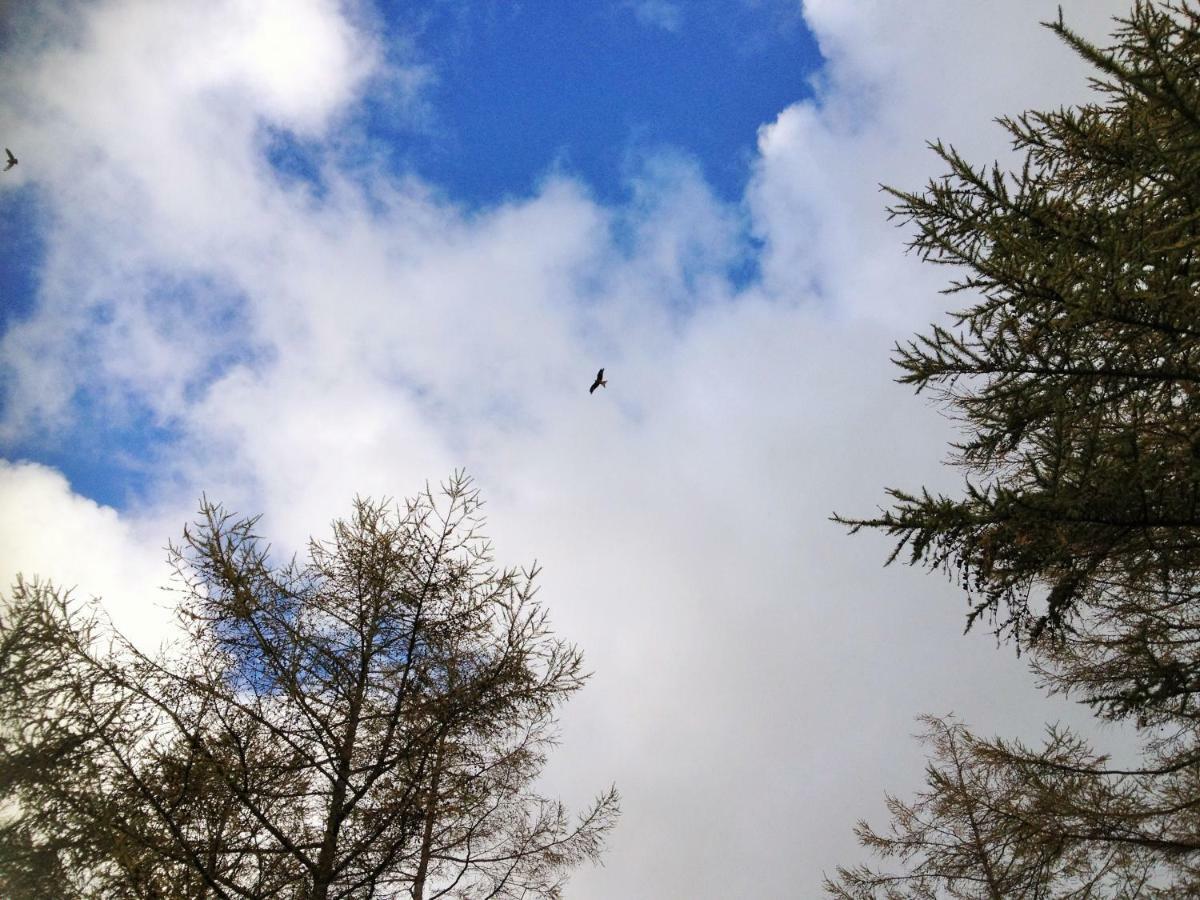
(599, 382)
(12, 160)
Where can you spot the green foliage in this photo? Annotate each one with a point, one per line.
(1075, 373)
(1075, 377)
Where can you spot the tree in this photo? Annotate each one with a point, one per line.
(1075, 374)
(1002, 822)
(41, 745)
(1075, 377)
(365, 724)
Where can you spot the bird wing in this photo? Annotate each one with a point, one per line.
(10, 156)
(599, 376)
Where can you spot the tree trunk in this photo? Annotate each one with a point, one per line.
(418, 889)
(337, 800)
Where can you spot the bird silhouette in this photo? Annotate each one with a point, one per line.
(599, 382)
(12, 160)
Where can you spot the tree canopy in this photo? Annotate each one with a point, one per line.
(366, 723)
(1074, 374)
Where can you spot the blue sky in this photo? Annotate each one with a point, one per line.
(290, 251)
(509, 93)
(519, 89)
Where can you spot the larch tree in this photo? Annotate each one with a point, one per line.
(1074, 373)
(365, 724)
(41, 747)
(974, 831)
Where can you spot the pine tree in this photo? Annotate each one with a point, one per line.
(1075, 374)
(1075, 377)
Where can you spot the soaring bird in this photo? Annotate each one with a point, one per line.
(12, 160)
(599, 382)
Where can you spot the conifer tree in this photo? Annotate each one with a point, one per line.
(1075, 370)
(1075, 375)
(1003, 821)
(367, 723)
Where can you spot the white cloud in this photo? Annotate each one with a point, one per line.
(143, 125)
(657, 13)
(49, 532)
(757, 673)
(897, 77)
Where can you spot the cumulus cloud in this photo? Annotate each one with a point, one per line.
(49, 532)
(756, 672)
(144, 127)
(894, 79)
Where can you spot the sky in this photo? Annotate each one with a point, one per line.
(290, 251)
